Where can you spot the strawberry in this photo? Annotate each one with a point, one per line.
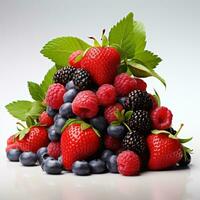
(102, 64)
(11, 140)
(78, 144)
(165, 152)
(33, 138)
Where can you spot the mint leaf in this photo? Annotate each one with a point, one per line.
(36, 91)
(36, 109)
(48, 79)
(144, 71)
(148, 59)
(19, 109)
(59, 49)
(121, 36)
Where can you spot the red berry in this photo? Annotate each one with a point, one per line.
(54, 96)
(85, 104)
(161, 118)
(11, 140)
(128, 163)
(164, 152)
(106, 94)
(112, 143)
(78, 144)
(124, 84)
(141, 85)
(12, 146)
(36, 138)
(102, 64)
(72, 59)
(109, 112)
(45, 119)
(54, 149)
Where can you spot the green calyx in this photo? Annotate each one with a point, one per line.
(83, 125)
(175, 137)
(122, 117)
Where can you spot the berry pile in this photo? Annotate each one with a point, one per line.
(92, 116)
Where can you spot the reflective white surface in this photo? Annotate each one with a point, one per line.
(19, 183)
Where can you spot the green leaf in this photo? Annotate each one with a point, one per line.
(85, 126)
(148, 59)
(143, 69)
(36, 91)
(121, 36)
(59, 49)
(116, 123)
(19, 109)
(96, 131)
(30, 121)
(128, 115)
(36, 109)
(185, 140)
(139, 36)
(157, 97)
(48, 79)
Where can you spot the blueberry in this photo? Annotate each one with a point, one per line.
(59, 123)
(99, 123)
(97, 166)
(112, 164)
(122, 100)
(116, 131)
(81, 168)
(57, 116)
(53, 136)
(41, 151)
(70, 95)
(60, 160)
(70, 85)
(66, 110)
(52, 167)
(14, 154)
(44, 158)
(51, 112)
(106, 155)
(28, 158)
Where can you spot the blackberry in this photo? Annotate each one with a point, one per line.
(185, 161)
(140, 121)
(64, 75)
(172, 131)
(134, 141)
(138, 100)
(81, 79)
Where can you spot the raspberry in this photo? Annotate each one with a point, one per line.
(141, 85)
(85, 104)
(128, 163)
(112, 143)
(154, 102)
(54, 149)
(11, 140)
(161, 118)
(109, 112)
(45, 119)
(54, 96)
(12, 146)
(72, 58)
(106, 94)
(124, 84)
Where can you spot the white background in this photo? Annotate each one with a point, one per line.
(173, 32)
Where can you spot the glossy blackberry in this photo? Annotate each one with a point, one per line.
(64, 75)
(185, 161)
(171, 130)
(134, 141)
(140, 121)
(138, 100)
(81, 79)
